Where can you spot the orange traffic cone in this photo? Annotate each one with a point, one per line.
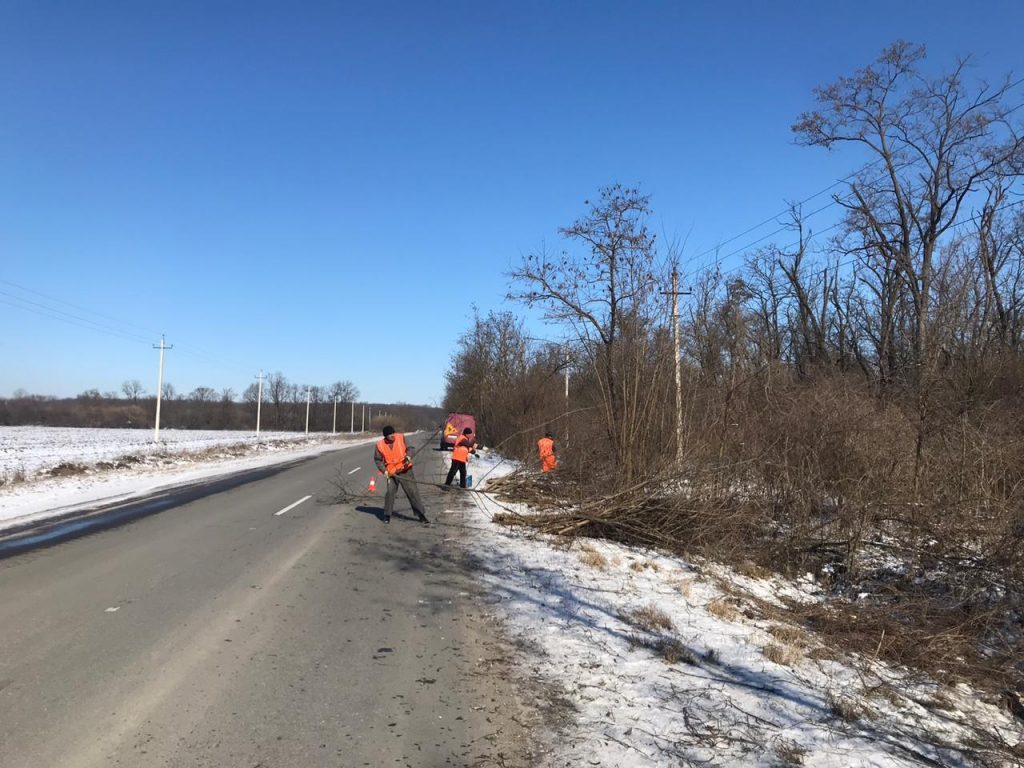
(373, 485)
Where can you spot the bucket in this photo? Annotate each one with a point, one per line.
(469, 481)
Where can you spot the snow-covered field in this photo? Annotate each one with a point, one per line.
(48, 471)
(662, 661)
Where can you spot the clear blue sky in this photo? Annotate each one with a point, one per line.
(326, 189)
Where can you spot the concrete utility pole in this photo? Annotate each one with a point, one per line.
(308, 390)
(334, 424)
(567, 373)
(676, 345)
(259, 405)
(363, 427)
(352, 418)
(159, 387)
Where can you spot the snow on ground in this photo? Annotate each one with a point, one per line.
(670, 662)
(664, 661)
(51, 471)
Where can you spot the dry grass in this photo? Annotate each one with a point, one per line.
(847, 708)
(643, 565)
(723, 609)
(12, 478)
(593, 558)
(785, 655)
(650, 619)
(67, 469)
(685, 587)
(669, 648)
(789, 754)
(789, 635)
(752, 570)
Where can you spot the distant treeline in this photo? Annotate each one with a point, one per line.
(283, 409)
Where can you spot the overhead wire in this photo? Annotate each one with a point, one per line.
(740, 268)
(835, 201)
(116, 327)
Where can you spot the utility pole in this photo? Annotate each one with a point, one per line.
(566, 392)
(159, 387)
(352, 418)
(567, 373)
(308, 390)
(363, 427)
(334, 424)
(676, 345)
(259, 405)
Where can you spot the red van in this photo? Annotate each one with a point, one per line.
(453, 426)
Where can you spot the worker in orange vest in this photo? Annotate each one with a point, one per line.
(464, 444)
(546, 449)
(393, 460)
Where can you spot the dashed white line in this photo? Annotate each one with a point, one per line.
(355, 470)
(293, 505)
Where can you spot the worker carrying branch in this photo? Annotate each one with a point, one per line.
(546, 449)
(392, 458)
(464, 445)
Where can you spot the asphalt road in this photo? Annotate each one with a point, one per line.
(243, 629)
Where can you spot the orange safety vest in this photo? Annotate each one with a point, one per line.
(546, 448)
(461, 450)
(395, 459)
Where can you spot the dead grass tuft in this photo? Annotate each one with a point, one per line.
(685, 587)
(789, 754)
(723, 609)
(643, 565)
(752, 570)
(650, 619)
(66, 469)
(786, 655)
(669, 648)
(847, 708)
(13, 478)
(789, 635)
(593, 558)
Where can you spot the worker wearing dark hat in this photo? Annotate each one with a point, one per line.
(392, 458)
(464, 443)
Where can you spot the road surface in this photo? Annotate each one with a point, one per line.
(278, 623)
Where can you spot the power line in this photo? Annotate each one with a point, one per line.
(55, 313)
(839, 265)
(54, 299)
(820, 192)
(20, 302)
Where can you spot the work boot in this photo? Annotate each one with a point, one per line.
(387, 519)
(422, 518)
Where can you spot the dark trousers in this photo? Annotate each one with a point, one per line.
(412, 492)
(460, 467)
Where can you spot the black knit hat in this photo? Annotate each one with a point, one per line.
(389, 430)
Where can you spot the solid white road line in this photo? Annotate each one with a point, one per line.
(355, 470)
(293, 506)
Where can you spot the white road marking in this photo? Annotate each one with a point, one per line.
(294, 505)
(112, 610)
(355, 470)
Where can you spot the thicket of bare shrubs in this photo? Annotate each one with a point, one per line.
(852, 407)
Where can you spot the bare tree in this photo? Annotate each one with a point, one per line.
(203, 395)
(343, 391)
(133, 389)
(935, 141)
(604, 294)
